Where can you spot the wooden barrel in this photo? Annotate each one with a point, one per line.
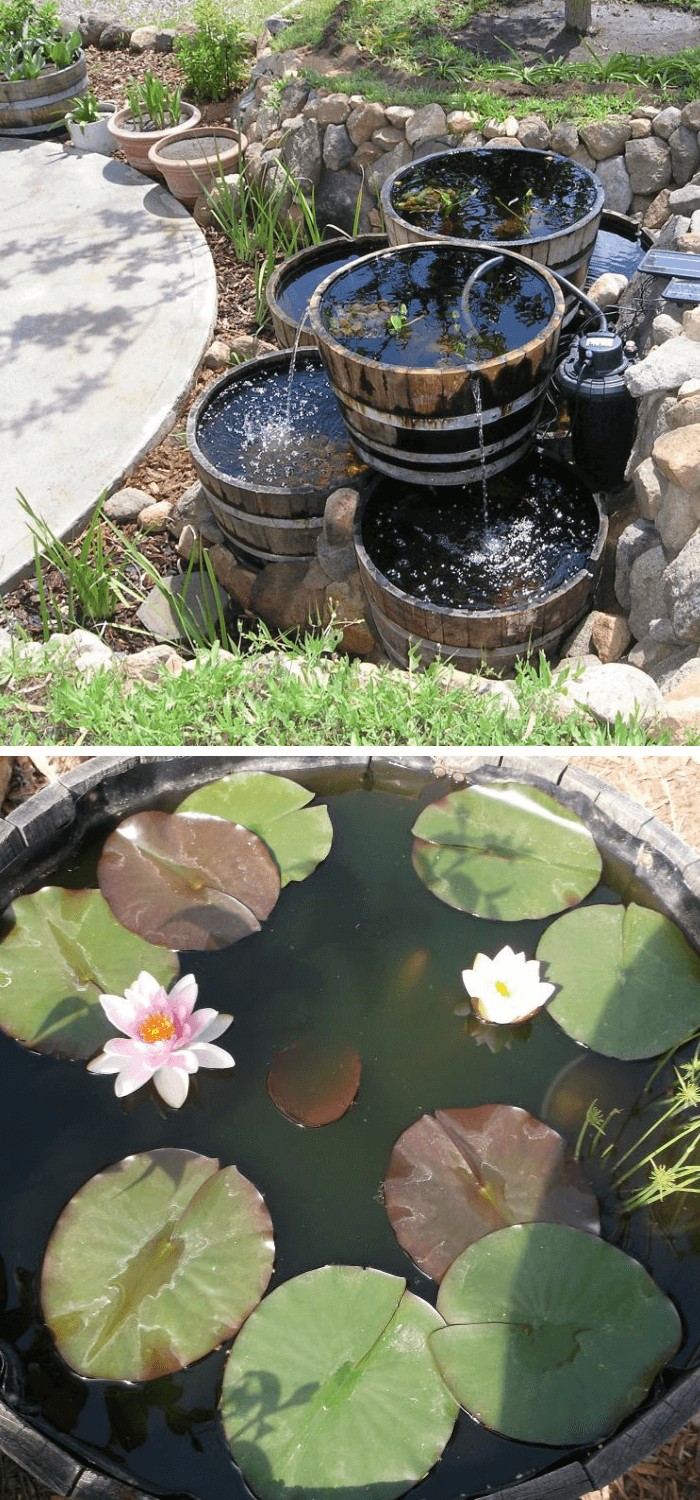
(564, 250)
(265, 523)
(290, 287)
(33, 106)
(440, 424)
(472, 639)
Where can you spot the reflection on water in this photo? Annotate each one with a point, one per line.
(434, 545)
(406, 307)
(252, 431)
(494, 195)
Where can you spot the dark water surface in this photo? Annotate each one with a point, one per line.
(494, 195)
(360, 952)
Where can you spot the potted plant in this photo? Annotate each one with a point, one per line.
(154, 113)
(42, 68)
(193, 161)
(87, 124)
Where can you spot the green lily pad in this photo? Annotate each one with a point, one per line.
(314, 1083)
(64, 950)
(331, 1389)
(153, 1263)
(504, 851)
(628, 982)
(275, 808)
(554, 1336)
(467, 1172)
(186, 880)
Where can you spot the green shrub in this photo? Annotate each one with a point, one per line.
(31, 36)
(213, 59)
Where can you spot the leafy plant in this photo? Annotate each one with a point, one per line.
(32, 38)
(62, 51)
(94, 585)
(152, 104)
(671, 1163)
(213, 59)
(85, 110)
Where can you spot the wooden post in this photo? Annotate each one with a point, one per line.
(578, 15)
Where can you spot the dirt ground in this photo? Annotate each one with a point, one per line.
(618, 26)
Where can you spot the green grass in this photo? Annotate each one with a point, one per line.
(292, 695)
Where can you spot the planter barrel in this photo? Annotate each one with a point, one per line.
(191, 162)
(136, 144)
(565, 250)
(34, 106)
(472, 639)
(297, 279)
(423, 424)
(262, 523)
(84, 804)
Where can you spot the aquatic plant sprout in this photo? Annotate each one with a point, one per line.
(506, 989)
(164, 1039)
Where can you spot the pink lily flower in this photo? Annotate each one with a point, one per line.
(164, 1038)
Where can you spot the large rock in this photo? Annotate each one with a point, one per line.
(333, 110)
(143, 39)
(302, 154)
(685, 200)
(685, 413)
(646, 590)
(94, 26)
(606, 138)
(636, 539)
(126, 504)
(390, 162)
(533, 133)
(238, 581)
(676, 519)
(649, 165)
(607, 289)
(614, 691)
(665, 368)
(681, 591)
(426, 123)
(336, 202)
(690, 115)
(658, 211)
(666, 122)
(362, 122)
(647, 489)
(685, 154)
(337, 148)
(610, 635)
(564, 138)
(677, 455)
(616, 180)
(653, 414)
(339, 516)
(346, 604)
(679, 668)
(114, 37)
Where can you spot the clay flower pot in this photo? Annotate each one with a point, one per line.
(136, 144)
(192, 161)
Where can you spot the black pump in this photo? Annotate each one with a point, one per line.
(603, 413)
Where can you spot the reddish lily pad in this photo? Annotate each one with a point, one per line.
(186, 880)
(275, 808)
(314, 1083)
(459, 1176)
(153, 1263)
(65, 949)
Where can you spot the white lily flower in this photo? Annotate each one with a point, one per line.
(506, 989)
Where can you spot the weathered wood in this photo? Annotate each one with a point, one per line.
(578, 15)
(31, 106)
(314, 257)
(41, 1458)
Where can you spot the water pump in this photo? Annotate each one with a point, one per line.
(602, 411)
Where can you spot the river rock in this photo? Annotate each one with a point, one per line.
(646, 590)
(333, 110)
(155, 515)
(459, 121)
(165, 39)
(126, 504)
(681, 591)
(400, 114)
(337, 148)
(143, 39)
(151, 663)
(677, 455)
(685, 154)
(114, 37)
(362, 122)
(665, 368)
(614, 690)
(649, 165)
(426, 123)
(641, 129)
(647, 489)
(607, 289)
(666, 122)
(616, 180)
(606, 138)
(685, 200)
(564, 138)
(610, 635)
(533, 133)
(218, 356)
(399, 156)
(636, 539)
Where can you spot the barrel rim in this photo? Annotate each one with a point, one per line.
(455, 374)
(78, 66)
(306, 354)
(443, 611)
(484, 151)
(288, 268)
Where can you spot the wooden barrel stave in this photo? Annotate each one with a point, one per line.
(32, 106)
(285, 538)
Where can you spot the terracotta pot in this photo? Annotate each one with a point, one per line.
(136, 144)
(192, 161)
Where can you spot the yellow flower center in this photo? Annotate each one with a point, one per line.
(502, 988)
(157, 1027)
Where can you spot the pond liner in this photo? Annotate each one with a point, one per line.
(38, 836)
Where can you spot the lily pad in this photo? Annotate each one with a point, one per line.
(504, 851)
(314, 1084)
(628, 982)
(331, 1389)
(153, 1263)
(186, 880)
(467, 1172)
(275, 808)
(554, 1337)
(64, 950)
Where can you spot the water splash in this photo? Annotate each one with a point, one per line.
(292, 367)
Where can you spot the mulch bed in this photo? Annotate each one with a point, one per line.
(167, 471)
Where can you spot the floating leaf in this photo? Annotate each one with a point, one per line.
(557, 1335)
(331, 1389)
(628, 982)
(154, 1262)
(64, 951)
(275, 808)
(504, 851)
(459, 1176)
(314, 1083)
(186, 880)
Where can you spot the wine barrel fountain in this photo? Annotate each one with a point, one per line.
(291, 287)
(545, 206)
(440, 356)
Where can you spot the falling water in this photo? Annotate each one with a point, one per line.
(292, 368)
(482, 448)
